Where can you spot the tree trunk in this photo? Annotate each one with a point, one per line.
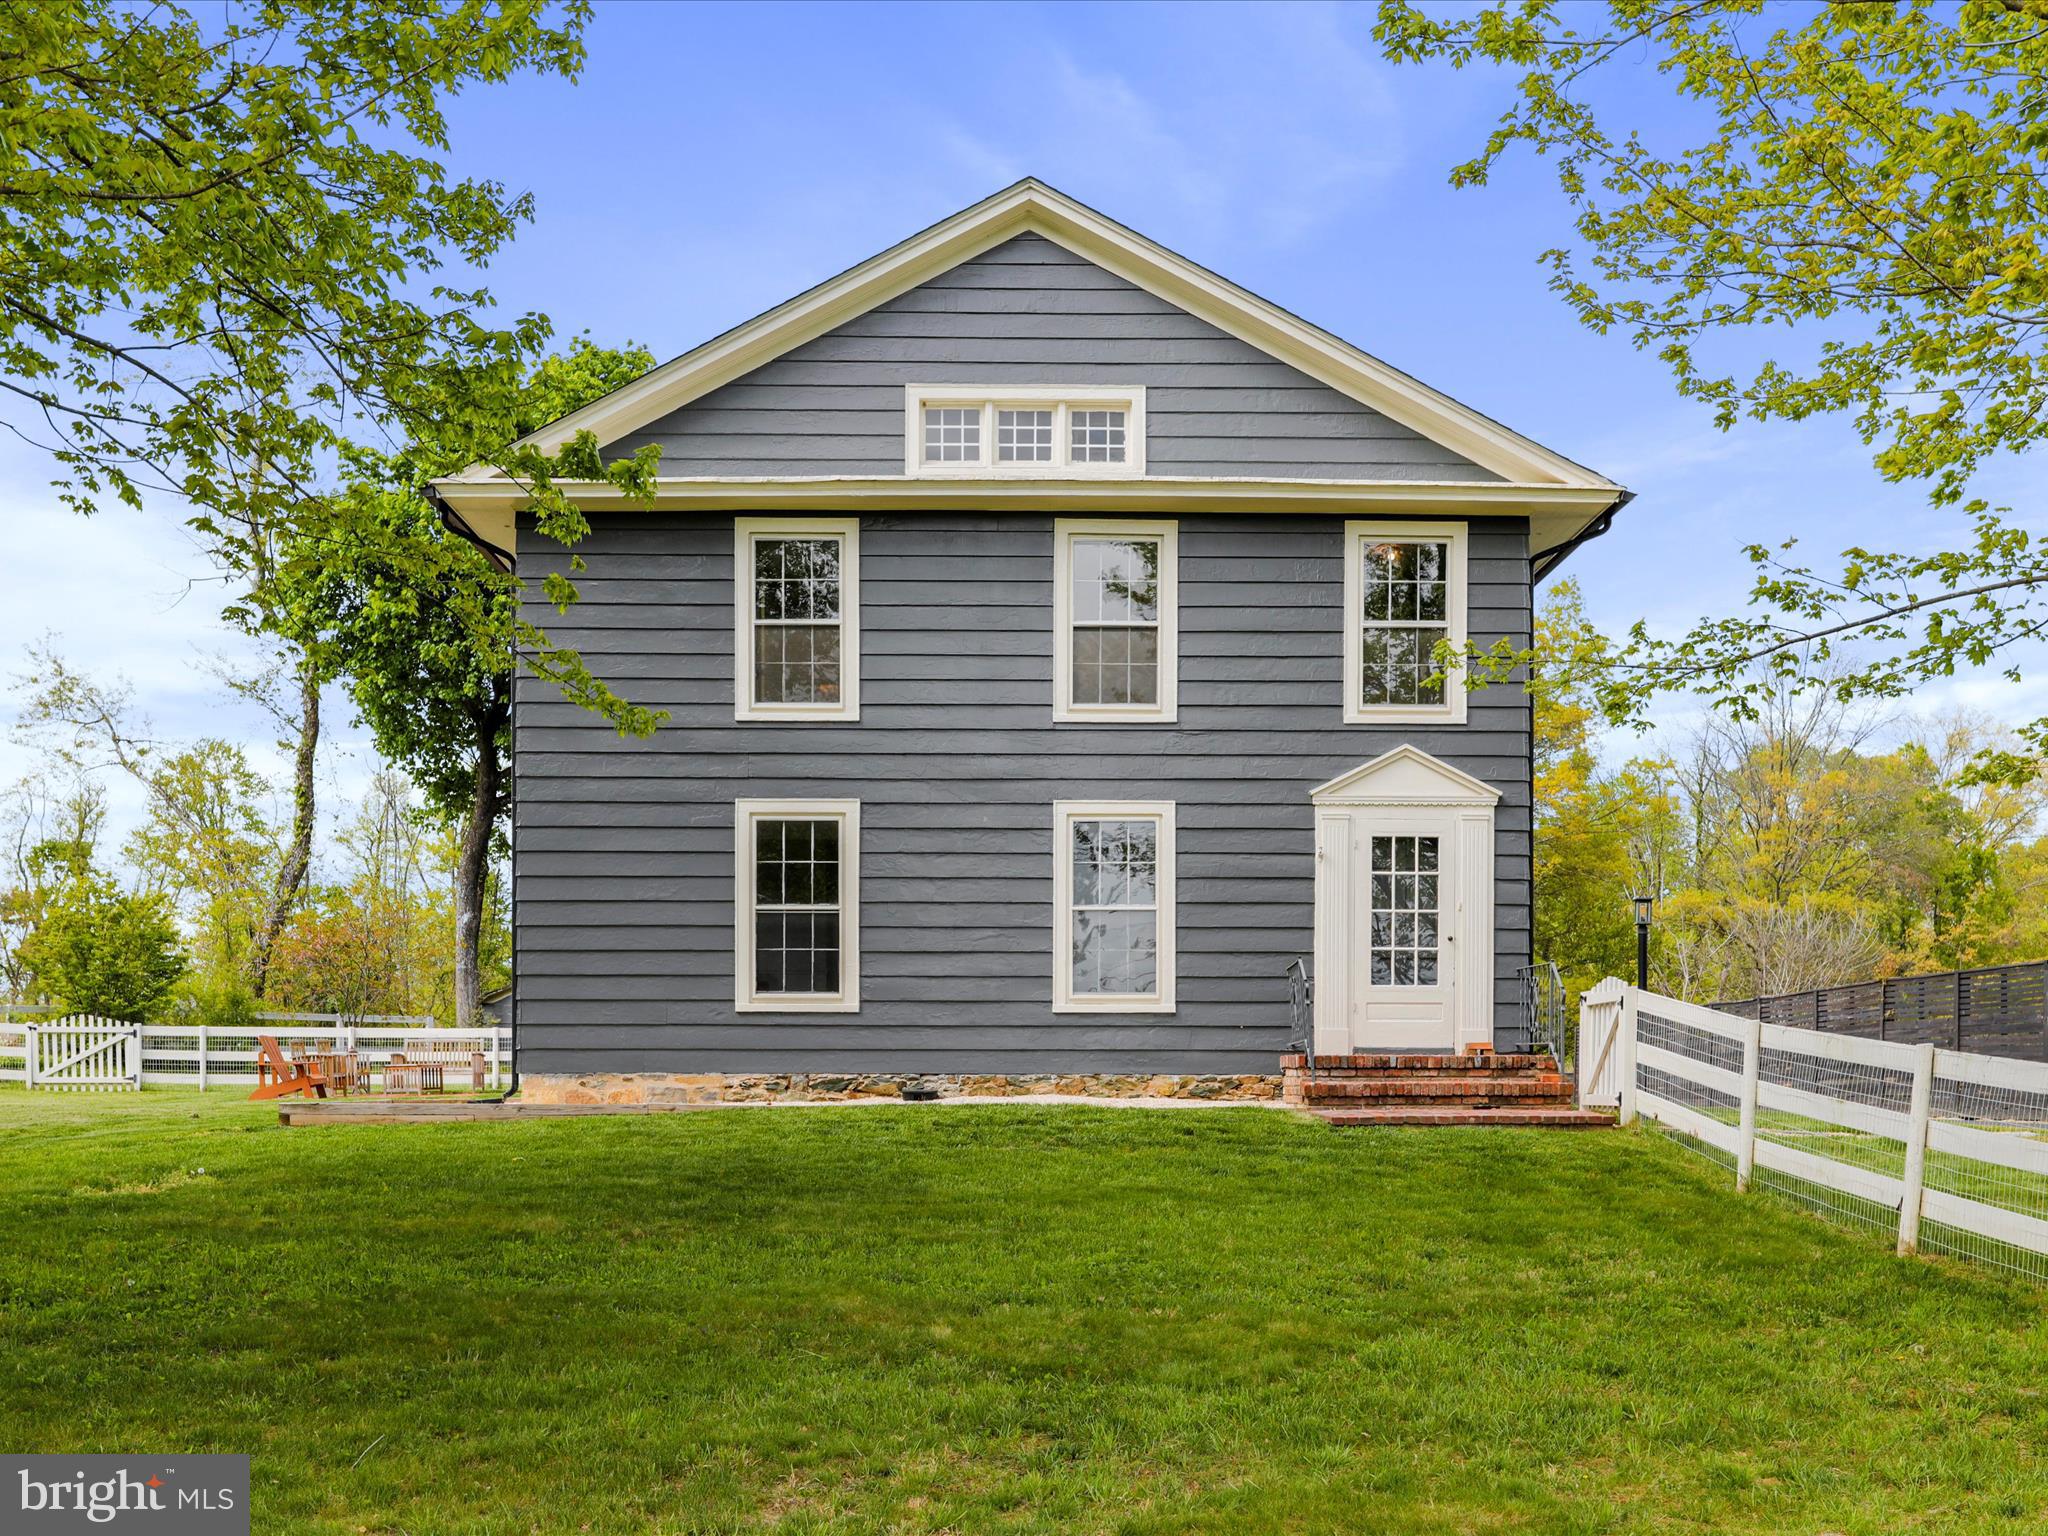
(473, 859)
(298, 854)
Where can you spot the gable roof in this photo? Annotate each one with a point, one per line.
(1583, 497)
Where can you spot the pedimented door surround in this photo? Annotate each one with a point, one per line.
(1395, 797)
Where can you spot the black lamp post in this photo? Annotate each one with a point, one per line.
(1644, 905)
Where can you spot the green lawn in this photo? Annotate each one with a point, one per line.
(1002, 1319)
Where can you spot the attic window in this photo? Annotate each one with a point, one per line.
(1098, 436)
(952, 436)
(1024, 437)
(1057, 431)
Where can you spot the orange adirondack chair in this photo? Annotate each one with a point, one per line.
(276, 1077)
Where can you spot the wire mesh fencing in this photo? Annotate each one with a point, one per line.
(1927, 1148)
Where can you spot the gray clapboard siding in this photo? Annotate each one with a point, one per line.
(1032, 312)
(623, 849)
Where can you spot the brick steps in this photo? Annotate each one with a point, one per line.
(1562, 1119)
(1476, 1061)
(1491, 1089)
(1430, 1088)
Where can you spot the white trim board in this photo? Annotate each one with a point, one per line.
(1555, 513)
(1031, 206)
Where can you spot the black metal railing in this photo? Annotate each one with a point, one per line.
(1301, 1004)
(1543, 1011)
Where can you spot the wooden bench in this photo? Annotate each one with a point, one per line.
(402, 1076)
(442, 1059)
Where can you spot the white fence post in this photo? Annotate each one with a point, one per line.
(28, 1036)
(135, 1056)
(202, 1058)
(1745, 1134)
(1916, 1149)
(497, 1034)
(1625, 1045)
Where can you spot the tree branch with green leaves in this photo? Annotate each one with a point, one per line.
(1864, 179)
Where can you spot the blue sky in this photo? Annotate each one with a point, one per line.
(714, 160)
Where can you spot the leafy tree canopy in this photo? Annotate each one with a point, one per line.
(229, 248)
(422, 623)
(1865, 176)
(100, 950)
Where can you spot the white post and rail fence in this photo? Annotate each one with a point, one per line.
(81, 1053)
(1937, 1150)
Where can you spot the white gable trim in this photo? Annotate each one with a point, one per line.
(1033, 207)
(1405, 776)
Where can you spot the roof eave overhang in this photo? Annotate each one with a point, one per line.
(1557, 513)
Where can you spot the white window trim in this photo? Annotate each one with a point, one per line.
(1454, 535)
(989, 398)
(1064, 531)
(745, 814)
(1063, 813)
(744, 531)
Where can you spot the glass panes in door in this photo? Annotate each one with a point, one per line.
(796, 906)
(1404, 913)
(1115, 933)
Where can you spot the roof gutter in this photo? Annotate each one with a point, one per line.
(1585, 535)
(453, 521)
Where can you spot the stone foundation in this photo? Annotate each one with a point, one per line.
(839, 1087)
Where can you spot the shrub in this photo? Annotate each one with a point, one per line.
(98, 950)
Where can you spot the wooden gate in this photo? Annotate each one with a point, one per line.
(84, 1053)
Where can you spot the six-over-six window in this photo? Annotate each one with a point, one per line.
(1115, 620)
(797, 599)
(797, 876)
(1404, 622)
(1113, 922)
(1116, 660)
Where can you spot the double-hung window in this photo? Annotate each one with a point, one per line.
(1115, 620)
(1404, 596)
(797, 610)
(1061, 431)
(797, 879)
(1113, 937)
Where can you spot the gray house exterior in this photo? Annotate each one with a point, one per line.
(1044, 627)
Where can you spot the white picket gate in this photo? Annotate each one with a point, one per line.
(83, 1053)
(1934, 1149)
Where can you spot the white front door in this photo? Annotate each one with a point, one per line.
(1404, 907)
(1404, 904)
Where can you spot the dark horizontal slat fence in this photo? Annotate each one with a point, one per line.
(2000, 1010)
